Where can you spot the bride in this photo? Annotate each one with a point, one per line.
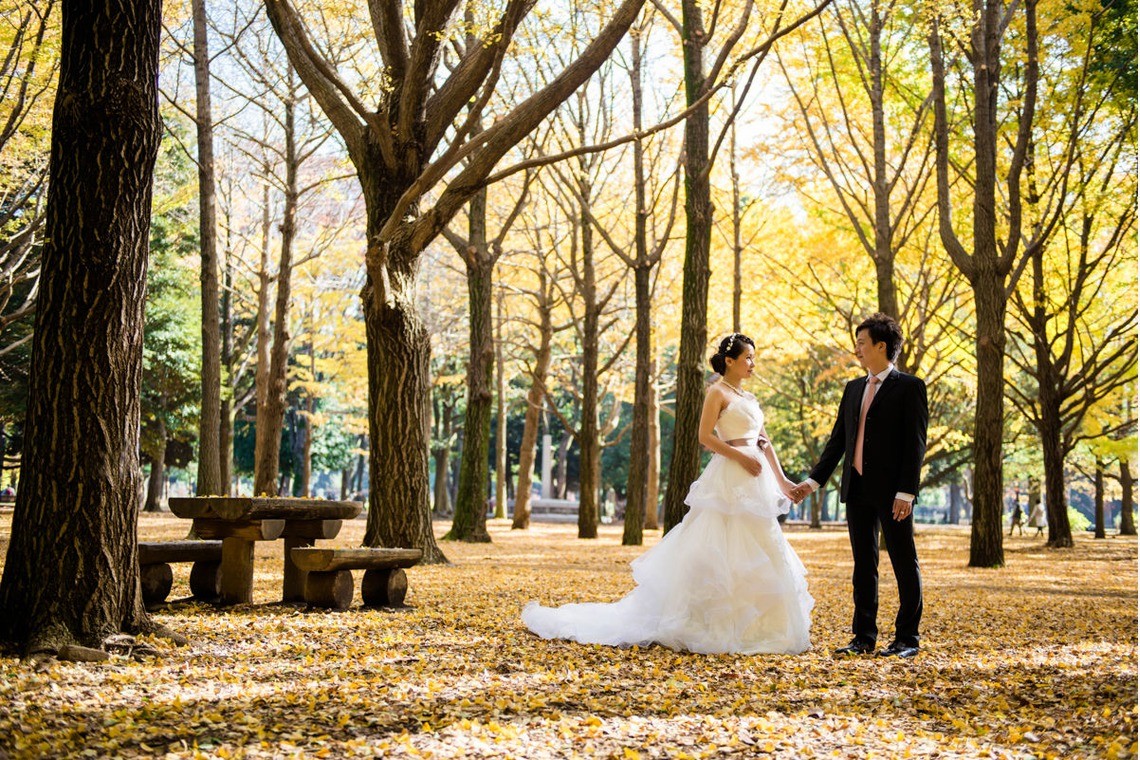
(725, 578)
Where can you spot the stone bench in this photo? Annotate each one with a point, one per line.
(155, 558)
(328, 582)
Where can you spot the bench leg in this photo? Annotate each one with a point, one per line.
(293, 581)
(237, 571)
(206, 581)
(384, 588)
(332, 589)
(156, 582)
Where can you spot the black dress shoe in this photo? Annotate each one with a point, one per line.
(899, 649)
(857, 646)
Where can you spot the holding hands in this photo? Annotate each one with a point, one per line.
(798, 492)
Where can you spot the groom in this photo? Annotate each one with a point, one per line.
(880, 433)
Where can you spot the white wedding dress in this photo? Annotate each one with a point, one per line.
(723, 580)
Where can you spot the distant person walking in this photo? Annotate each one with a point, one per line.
(1015, 521)
(1037, 518)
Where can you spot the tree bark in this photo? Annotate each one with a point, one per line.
(154, 483)
(986, 533)
(399, 383)
(226, 412)
(637, 484)
(589, 445)
(271, 416)
(71, 573)
(470, 523)
(1098, 499)
(653, 474)
(209, 425)
(684, 467)
(1127, 499)
(988, 267)
(501, 474)
(535, 399)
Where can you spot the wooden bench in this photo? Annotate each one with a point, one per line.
(328, 582)
(155, 558)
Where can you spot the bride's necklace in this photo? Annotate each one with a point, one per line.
(739, 392)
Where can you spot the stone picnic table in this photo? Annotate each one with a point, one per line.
(240, 521)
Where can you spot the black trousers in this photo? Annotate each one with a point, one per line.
(864, 519)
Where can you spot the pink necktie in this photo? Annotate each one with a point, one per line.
(857, 462)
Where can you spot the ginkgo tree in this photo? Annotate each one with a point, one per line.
(418, 133)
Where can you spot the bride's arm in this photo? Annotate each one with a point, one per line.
(770, 453)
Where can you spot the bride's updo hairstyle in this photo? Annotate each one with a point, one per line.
(729, 348)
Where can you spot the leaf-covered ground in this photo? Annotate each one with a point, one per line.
(1034, 660)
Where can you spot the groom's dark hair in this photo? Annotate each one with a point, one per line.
(883, 329)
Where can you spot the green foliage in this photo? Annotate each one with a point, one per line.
(1077, 520)
(172, 338)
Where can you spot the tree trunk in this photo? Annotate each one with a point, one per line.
(226, 412)
(470, 523)
(589, 445)
(71, 573)
(271, 416)
(561, 468)
(535, 399)
(684, 467)
(986, 534)
(817, 501)
(653, 474)
(264, 334)
(637, 487)
(501, 474)
(442, 494)
(154, 483)
(954, 513)
(306, 486)
(637, 484)
(1098, 499)
(1127, 523)
(884, 255)
(209, 425)
(399, 394)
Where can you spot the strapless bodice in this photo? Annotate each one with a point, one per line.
(742, 418)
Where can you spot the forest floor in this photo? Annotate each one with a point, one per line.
(1037, 659)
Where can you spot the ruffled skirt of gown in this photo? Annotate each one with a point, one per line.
(724, 580)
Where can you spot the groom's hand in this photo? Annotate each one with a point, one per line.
(800, 492)
(902, 509)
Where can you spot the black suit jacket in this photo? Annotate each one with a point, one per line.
(894, 442)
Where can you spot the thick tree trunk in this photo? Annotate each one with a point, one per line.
(817, 501)
(684, 467)
(535, 399)
(271, 416)
(399, 394)
(470, 523)
(209, 425)
(986, 535)
(1127, 500)
(71, 573)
